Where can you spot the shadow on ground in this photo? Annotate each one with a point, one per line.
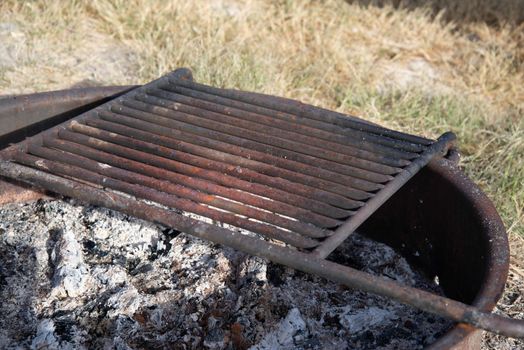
(491, 12)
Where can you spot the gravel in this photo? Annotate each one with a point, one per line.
(75, 276)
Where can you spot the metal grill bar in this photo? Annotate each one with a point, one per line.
(358, 158)
(213, 152)
(359, 170)
(241, 172)
(201, 185)
(330, 132)
(213, 176)
(178, 190)
(271, 105)
(165, 199)
(277, 127)
(330, 244)
(357, 179)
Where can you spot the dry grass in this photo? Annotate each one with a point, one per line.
(407, 69)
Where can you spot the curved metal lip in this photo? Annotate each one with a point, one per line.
(25, 115)
(63, 101)
(497, 247)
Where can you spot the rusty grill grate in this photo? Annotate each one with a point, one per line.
(282, 170)
(288, 171)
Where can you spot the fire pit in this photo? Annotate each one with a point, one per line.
(439, 220)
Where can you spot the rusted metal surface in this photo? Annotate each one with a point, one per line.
(101, 127)
(280, 135)
(25, 115)
(443, 223)
(204, 163)
(198, 103)
(267, 165)
(13, 193)
(236, 158)
(350, 176)
(22, 116)
(439, 147)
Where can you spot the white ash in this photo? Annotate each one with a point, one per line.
(74, 276)
(69, 279)
(289, 331)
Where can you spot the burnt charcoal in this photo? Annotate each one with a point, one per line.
(275, 274)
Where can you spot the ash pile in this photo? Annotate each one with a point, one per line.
(74, 276)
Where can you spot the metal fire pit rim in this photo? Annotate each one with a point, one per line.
(463, 336)
(27, 114)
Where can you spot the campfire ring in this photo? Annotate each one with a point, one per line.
(440, 220)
